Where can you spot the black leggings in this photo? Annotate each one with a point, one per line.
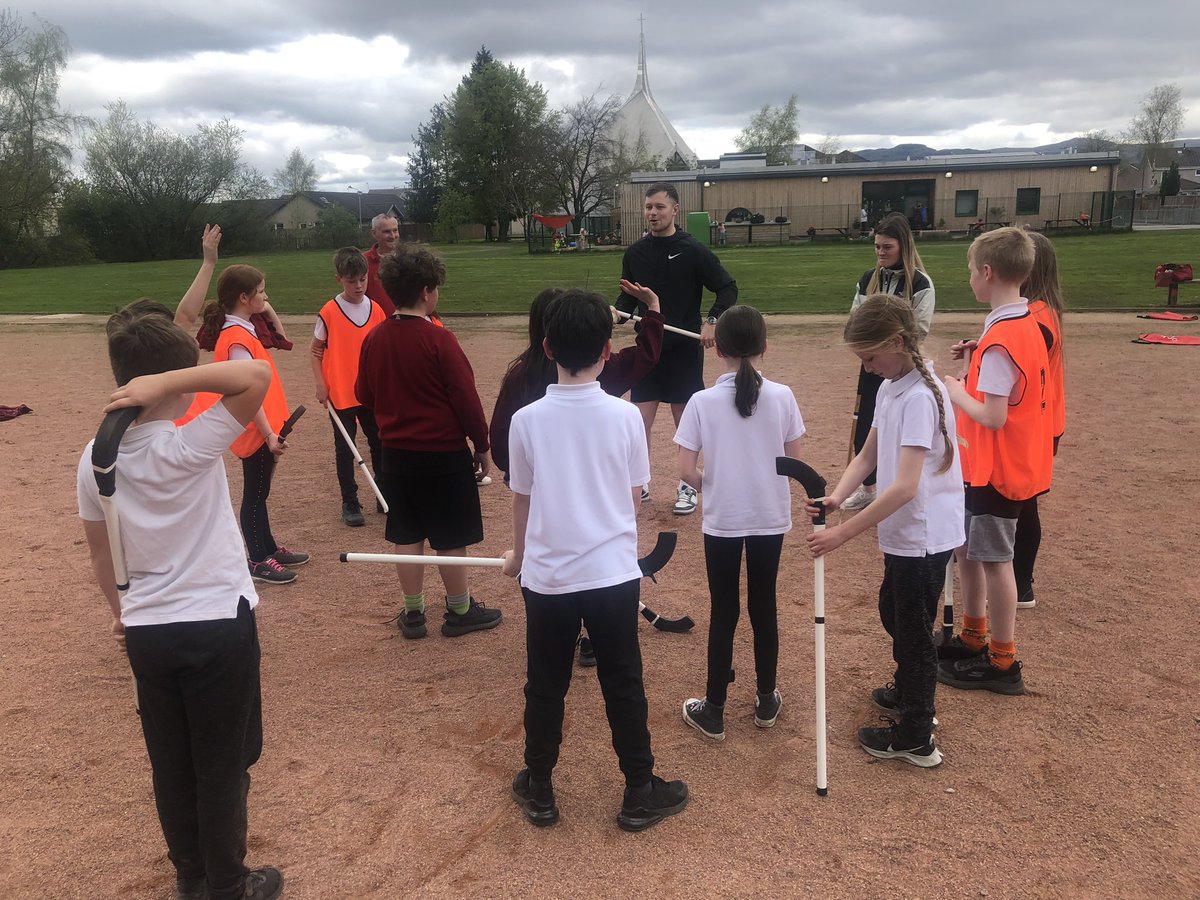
(343, 456)
(723, 559)
(257, 469)
(1025, 550)
(868, 387)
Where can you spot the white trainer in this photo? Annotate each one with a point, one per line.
(860, 499)
(685, 502)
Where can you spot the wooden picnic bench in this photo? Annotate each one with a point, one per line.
(1076, 222)
(1173, 291)
(836, 231)
(977, 228)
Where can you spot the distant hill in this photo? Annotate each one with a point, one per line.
(921, 151)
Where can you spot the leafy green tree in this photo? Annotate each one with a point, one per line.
(454, 210)
(155, 183)
(1170, 182)
(338, 227)
(499, 140)
(35, 139)
(298, 173)
(427, 167)
(772, 131)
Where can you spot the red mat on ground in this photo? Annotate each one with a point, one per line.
(11, 412)
(1168, 316)
(1182, 340)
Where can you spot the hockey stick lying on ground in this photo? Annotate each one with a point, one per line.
(650, 564)
(357, 456)
(634, 318)
(814, 487)
(104, 468)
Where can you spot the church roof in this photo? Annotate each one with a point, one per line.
(641, 115)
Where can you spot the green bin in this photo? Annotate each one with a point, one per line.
(699, 226)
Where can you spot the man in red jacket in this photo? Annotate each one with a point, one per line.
(416, 379)
(386, 231)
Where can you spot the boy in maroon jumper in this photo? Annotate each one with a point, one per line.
(416, 379)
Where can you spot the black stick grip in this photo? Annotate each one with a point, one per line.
(290, 423)
(813, 484)
(108, 442)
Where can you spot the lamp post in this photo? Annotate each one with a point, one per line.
(360, 193)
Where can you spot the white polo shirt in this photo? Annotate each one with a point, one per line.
(183, 548)
(906, 415)
(578, 453)
(742, 493)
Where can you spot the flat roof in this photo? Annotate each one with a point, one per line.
(983, 162)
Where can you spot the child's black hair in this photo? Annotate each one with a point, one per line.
(536, 371)
(578, 326)
(742, 334)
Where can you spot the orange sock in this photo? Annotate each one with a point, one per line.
(974, 632)
(1002, 654)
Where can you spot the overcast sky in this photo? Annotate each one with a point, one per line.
(348, 82)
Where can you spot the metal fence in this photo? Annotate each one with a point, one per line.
(1055, 213)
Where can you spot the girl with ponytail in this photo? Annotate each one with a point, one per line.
(919, 513)
(741, 424)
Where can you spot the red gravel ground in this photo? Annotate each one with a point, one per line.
(387, 763)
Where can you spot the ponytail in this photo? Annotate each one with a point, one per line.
(742, 335)
(747, 383)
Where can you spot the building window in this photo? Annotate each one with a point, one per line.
(1029, 201)
(966, 203)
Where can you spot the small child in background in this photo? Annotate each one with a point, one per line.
(578, 461)
(918, 511)
(1045, 303)
(341, 326)
(741, 424)
(187, 620)
(241, 293)
(416, 380)
(1007, 457)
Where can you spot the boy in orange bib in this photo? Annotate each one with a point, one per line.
(337, 341)
(1006, 434)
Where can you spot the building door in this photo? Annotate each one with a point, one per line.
(904, 197)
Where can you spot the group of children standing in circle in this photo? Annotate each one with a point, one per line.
(957, 462)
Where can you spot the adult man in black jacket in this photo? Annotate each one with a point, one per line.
(678, 268)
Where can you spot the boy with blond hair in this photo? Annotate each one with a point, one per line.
(342, 325)
(187, 619)
(1007, 455)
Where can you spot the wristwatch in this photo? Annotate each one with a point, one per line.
(711, 320)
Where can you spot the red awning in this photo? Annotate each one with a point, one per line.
(554, 222)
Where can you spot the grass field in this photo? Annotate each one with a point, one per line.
(1098, 272)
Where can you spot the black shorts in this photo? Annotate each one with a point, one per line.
(678, 375)
(432, 496)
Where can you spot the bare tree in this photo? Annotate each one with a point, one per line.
(299, 173)
(829, 148)
(1156, 125)
(587, 151)
(1096, 141)
(772, 131)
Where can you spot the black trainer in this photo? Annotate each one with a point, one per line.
(412, 624)
(536, 799)
(352, 515)
(978, 674)
(650, 803)
(887, 699)
(477, 618)
(955, 649)
(886, 743)
(766, 709)
(264, 884)
(587, 653)
(707, 718)
(1026, 600)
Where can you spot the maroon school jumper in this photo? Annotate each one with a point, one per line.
(622, 371)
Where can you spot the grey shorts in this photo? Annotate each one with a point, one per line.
(991, 524)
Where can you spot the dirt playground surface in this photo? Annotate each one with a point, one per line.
(387, 763)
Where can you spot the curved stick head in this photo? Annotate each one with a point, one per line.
(108, 442)
(813, 484)
(290, 423)
(664, 548)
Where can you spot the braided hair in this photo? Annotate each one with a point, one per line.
(742, 335)
(874, 325)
